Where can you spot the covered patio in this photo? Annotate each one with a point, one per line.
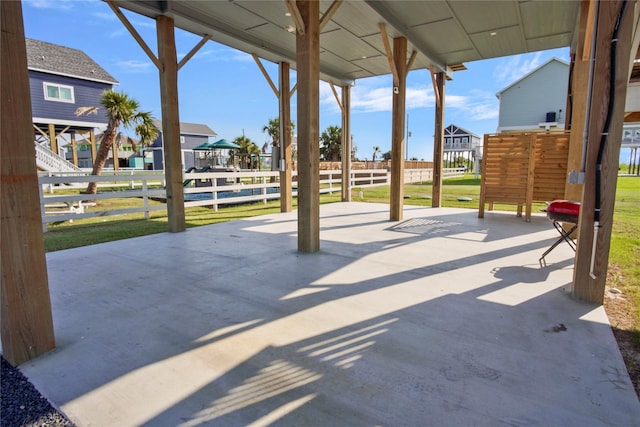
(439, 319)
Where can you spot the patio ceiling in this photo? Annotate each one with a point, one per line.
(445, 34)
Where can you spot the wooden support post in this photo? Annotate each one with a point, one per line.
(53, 140)
(346, 143)
(308, 59)
(588, 282)
(114, 152)
(25, 305)
(74, 149)
(284, 101)
(94, 151)
(438, 141)
(170, 122)
(397, 128)
(577, 99)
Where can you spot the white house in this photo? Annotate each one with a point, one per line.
(536, 101)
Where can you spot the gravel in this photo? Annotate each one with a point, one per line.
(22, 405)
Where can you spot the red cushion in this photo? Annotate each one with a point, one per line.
(564, 207)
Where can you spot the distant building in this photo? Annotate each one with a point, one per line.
(536, 101)
(461, 148)
(191, 136)
(62, 79)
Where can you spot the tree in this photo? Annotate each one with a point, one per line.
(331, 143)
(246, 150)
(121, 111)
(386, 156)
(376, 151)
(273, 130)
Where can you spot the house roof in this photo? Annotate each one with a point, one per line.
(65, 61)
(459, 131)
(560, 61)
(190, 128)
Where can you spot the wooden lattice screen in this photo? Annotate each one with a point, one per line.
(523, 168)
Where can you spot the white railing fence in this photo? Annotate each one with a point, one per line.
(212, 189)
(49, 161)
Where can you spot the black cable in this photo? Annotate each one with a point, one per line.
(612, 91)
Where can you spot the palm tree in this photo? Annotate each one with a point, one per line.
(273, 130)
(331, 143)
(247, 149)
(122, 111)
(376, 150)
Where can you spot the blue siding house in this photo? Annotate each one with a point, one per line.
(62, 79)
(191, 135)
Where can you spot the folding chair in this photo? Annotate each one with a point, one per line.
(563, 211)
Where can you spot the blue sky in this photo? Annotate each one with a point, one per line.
(224, 88)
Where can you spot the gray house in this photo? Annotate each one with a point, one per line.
(536, 101)
(191, 136)
(61, 79)
(461, 147)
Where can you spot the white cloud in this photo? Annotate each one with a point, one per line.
(135, 66)
(51, 4)
(220, 55)
(477, 105)
(517, 66)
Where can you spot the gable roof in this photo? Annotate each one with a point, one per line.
(526, 76)
(457, 130)
(189, 128)
(64, 61)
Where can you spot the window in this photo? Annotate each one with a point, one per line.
(60, 93)
(182, 140)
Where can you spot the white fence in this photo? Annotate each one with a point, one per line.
(211, 189)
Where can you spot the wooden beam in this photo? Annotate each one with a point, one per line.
(296, 16)
(171, 123)
(43, 133)
(74, 149)
(578, 89)
(587, 23)
(335, 94)
(438, 140)
(592, 255)
(293, 89)
(134, 33)
(53, 141)
(193, 51)
(308, 60)
(434, 83)
(284, 104)
(94, 151)
(346, 143)
(114, 153)
(329, 13)
(412, 59)
(26, 321)
(63, 131)
(266, 75)
(397, 128)
(390, 57)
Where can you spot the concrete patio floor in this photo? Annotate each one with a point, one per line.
(441, 319)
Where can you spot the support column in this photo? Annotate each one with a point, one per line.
(53, 141)
(308, 59)
(438, 141)
(588, 282)
(284, 102)
(397, 128)
(25, 305)
(170, 122)
(346, 143)
(577, 98)
(94, 151)
(74, 149)
(114, 153)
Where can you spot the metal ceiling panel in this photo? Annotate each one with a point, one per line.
(443, 32)
(485, 16)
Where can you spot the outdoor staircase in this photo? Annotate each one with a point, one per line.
(49, 161)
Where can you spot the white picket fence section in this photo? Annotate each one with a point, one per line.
(211, 189)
